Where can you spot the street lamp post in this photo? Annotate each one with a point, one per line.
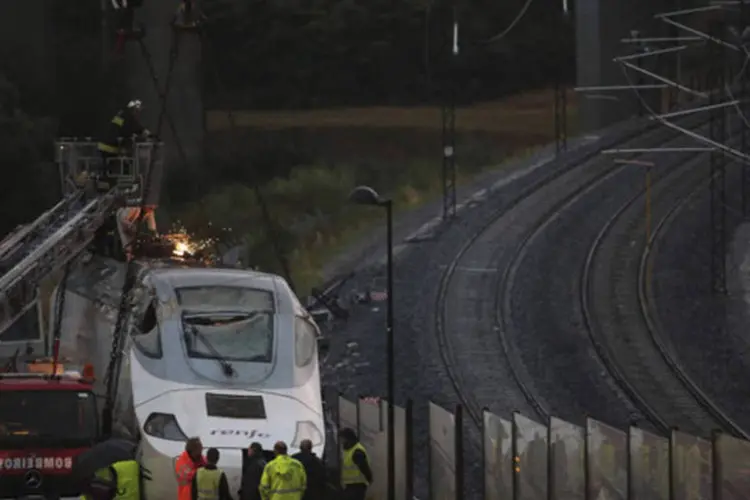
(365, 195)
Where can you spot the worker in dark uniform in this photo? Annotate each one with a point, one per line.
(120, 130)
(252, 471)
(210, 482)
(356, 474)
(315, 469)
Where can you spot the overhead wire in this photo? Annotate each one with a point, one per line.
(260, 198)
(519, 16)
(727, 89)
(163, 95)
(656, 116)
(131, 269)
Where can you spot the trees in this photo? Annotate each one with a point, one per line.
(28, 181)
(303, 53)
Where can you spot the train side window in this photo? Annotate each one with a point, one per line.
(147, 335)
(305, 335)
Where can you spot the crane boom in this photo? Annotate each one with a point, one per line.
(18, 286)
(16, 245)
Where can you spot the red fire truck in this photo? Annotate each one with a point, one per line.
(48, 415)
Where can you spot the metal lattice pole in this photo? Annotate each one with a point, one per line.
(717, 172)
(744, 83)
(449, 125)
(561, 97)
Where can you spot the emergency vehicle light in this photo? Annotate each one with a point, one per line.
(88, 372)
(45, 368)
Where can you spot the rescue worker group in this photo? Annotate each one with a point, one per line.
(301, 476)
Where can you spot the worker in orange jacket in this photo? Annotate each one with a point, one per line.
(186, 465)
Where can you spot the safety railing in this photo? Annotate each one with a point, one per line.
(524, 459)
(75, 156)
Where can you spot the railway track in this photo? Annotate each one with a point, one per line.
(509, 260)
(648, 310)
(626, 338)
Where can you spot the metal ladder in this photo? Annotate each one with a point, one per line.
(56, 237)
(20, 243)
(18, 285)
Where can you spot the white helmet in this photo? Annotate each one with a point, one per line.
(134, 104)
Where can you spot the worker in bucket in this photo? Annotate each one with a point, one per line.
(117, 139)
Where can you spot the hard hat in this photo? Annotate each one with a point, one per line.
(134, 104)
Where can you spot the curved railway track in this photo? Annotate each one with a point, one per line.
(505, 276)
(638, 360)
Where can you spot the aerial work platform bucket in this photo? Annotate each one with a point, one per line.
(129, 171)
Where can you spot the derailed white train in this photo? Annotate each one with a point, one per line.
(229, 356)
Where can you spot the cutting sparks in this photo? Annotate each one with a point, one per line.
(185, 246)
(181, 248)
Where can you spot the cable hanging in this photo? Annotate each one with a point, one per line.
(265, 212)
(512, 25)
(131, 270)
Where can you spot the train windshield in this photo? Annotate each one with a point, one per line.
(51, 418)
(228, 335)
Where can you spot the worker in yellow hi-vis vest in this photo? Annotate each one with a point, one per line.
(284, 477)
(119, 481)
(210, 482)
(356, 473)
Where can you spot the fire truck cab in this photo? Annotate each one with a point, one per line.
(46, 420)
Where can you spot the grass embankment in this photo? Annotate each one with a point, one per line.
(395, 150)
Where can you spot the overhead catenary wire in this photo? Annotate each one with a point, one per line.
(131, 269)
(519, 16)
(260, 198)
(174, 51)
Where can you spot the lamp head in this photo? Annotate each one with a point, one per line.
(365, 195)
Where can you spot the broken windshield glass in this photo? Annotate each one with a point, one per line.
(231, 335)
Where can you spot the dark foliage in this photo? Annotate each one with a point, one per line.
(29, 182)
(286, 54)
(306, 53)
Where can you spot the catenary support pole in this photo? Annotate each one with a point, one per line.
(449, 123)
(391, 359)
(744, 17)
(717, 171)
(561, 92)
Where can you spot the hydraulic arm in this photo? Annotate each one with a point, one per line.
(56, 237)
(55, 247)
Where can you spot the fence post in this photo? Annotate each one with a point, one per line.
(484, 453)
(429, 453)
(459, 451)
(586, 490)
(671, 463)
(629, 465)
(359, 416)
(550, 462)
(409, 445)
(339, 395)
(716, 469)
(516, 459)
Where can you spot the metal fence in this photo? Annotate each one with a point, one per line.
(526, 460)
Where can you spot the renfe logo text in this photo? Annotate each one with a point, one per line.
(49, 463)
(248, 434)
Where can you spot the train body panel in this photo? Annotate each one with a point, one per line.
(229, 356)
